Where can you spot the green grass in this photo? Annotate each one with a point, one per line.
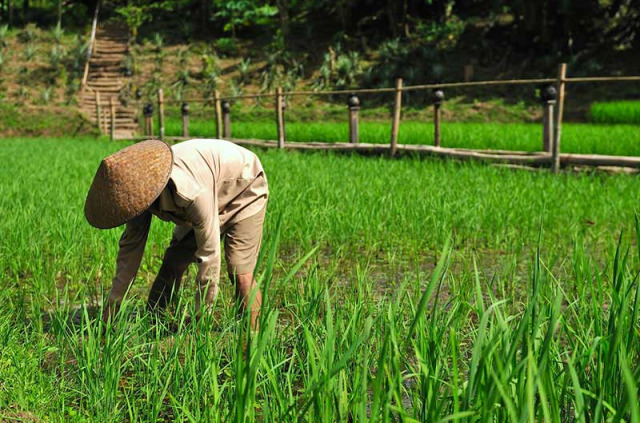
(615, 112)
(396, 290)
(576, 138)
(26, 120)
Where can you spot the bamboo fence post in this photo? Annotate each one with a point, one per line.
(112, 129)
(468, 72)
(161, 113)
(354, 105)
(185, 119)
(562, 74)
(548, 96)
(395, 124)
(98, 113)
(226, 119)
(437, 99)
(280, 117)
(148, 119)
(218, 111)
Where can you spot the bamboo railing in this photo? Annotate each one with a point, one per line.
(92, 39)
(553, 97)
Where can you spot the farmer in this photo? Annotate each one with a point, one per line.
(210, 189)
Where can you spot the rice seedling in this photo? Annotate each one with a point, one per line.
(576, 138)
(394, 290)
(614, 112)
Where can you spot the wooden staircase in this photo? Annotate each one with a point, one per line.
(106, 80)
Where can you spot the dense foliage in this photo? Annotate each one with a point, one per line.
(566, 26)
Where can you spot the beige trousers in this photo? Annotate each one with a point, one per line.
(241, 248)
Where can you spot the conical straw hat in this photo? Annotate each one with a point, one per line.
(127, 183)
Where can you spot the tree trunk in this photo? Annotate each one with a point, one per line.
(204, 16)
(391, 13)
(283, 12)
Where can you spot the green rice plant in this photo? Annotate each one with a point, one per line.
(576, 138)
(417, 290)
(614, 112)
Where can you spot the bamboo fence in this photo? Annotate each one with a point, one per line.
(550, 155)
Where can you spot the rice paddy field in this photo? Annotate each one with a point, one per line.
(625, 111)
(402, 290)
(611, 139)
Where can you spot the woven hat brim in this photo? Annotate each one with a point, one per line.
(127, 183)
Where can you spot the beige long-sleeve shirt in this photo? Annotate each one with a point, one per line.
(213, 183)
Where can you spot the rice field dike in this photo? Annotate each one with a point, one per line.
(404, 290)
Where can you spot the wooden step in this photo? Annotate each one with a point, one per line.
(119, 112)
(104, 55)
(104, 67)
(106, 85)
(110, 50)
(107, 61)
(111, 44)
(107, 114)
(98, 50)
(99, 74)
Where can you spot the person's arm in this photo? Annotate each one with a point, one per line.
(130, 253)
(203, 214)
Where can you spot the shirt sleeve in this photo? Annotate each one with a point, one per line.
(131, 249)
(203, 214)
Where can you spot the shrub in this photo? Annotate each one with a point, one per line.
(56, 56)
(158, 41)
(22, 93)
(28, 34)
(79, 53)
(339, 69)
(57, 33)
(4, 29)
(211, 80)
(29, 53)
(73, 86)
(226, 46)
(45, 96)
(210, 63)
(235, 88)
(244, 68)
